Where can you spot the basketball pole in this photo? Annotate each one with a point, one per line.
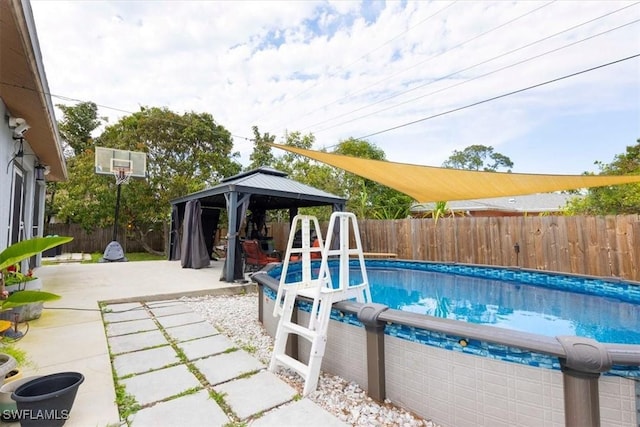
(121, 165)
(115, 219)
(114, 251)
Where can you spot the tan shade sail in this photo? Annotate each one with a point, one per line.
(432, 184)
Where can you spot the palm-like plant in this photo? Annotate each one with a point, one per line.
(10, 259)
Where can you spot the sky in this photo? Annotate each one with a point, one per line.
(416, 79)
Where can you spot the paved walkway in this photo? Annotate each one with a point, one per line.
(162, 350)
(177, 366)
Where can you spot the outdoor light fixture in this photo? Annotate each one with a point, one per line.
(40, 172)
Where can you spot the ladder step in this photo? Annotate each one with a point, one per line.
(339, 294)
(300, 330)
(289, 362)
(353, 251)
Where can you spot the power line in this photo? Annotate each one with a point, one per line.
(360, 58)
(464, 69)
(66, 98)
(477, 77)
(476, 37)
(504, 95)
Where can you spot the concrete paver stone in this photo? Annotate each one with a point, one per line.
(144, 360)
(163, 303)
(303, 412)
(192, 331)
(130, 327)
(161, 384)
(125, 314)
(168, 310)
(191, 410)
(203, 347)
(123, 306)
(226, 366)
(179, 319)
(139, 341)
(255, 394)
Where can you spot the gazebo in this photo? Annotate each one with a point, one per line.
(256, 191)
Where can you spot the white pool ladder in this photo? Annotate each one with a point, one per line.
(319, 289)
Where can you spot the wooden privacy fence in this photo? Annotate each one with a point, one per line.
(598, 246)
(98, 239)
(591, 245)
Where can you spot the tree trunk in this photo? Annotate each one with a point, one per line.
(145, 245)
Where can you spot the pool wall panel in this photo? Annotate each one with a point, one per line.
(456, 389)
(345, 354)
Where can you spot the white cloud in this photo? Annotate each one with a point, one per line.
(309, 65)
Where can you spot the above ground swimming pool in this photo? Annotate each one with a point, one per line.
(532, 301)
(479, 345)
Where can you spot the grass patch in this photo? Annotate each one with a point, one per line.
(127, 404)
(247, 374)
(21, 356)
(192, 390)
(219, 399)
(145, 256)
(251, 349)
(133, 256)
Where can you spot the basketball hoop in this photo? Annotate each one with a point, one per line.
(123, 165)
(122, 174)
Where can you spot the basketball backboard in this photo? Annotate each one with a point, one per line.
(110, 160)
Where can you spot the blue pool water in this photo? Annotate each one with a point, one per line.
(536, 302)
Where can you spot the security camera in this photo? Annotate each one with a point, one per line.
(19, 126)
(21, 129)
(14, 122)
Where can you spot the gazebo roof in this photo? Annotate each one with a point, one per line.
(270, 189)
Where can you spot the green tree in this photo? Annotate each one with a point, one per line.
(77, 125)
(306, 171)
(366, 198)
(612, 200)
(478, 157)
(185, 153)
(261, 155)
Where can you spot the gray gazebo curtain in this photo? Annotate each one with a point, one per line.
(194, 253)
(233, 241)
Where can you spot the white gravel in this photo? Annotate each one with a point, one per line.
(237, 317)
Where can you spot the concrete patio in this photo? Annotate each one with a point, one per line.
(70, 335)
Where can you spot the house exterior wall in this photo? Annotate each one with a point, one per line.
(33, 191)
(22, 67)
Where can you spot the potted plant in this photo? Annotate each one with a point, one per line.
(14, 291)
(12, 380)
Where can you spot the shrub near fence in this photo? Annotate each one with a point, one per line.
(591, 245)
(98, 239)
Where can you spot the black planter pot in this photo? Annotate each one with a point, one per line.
(47, 400)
